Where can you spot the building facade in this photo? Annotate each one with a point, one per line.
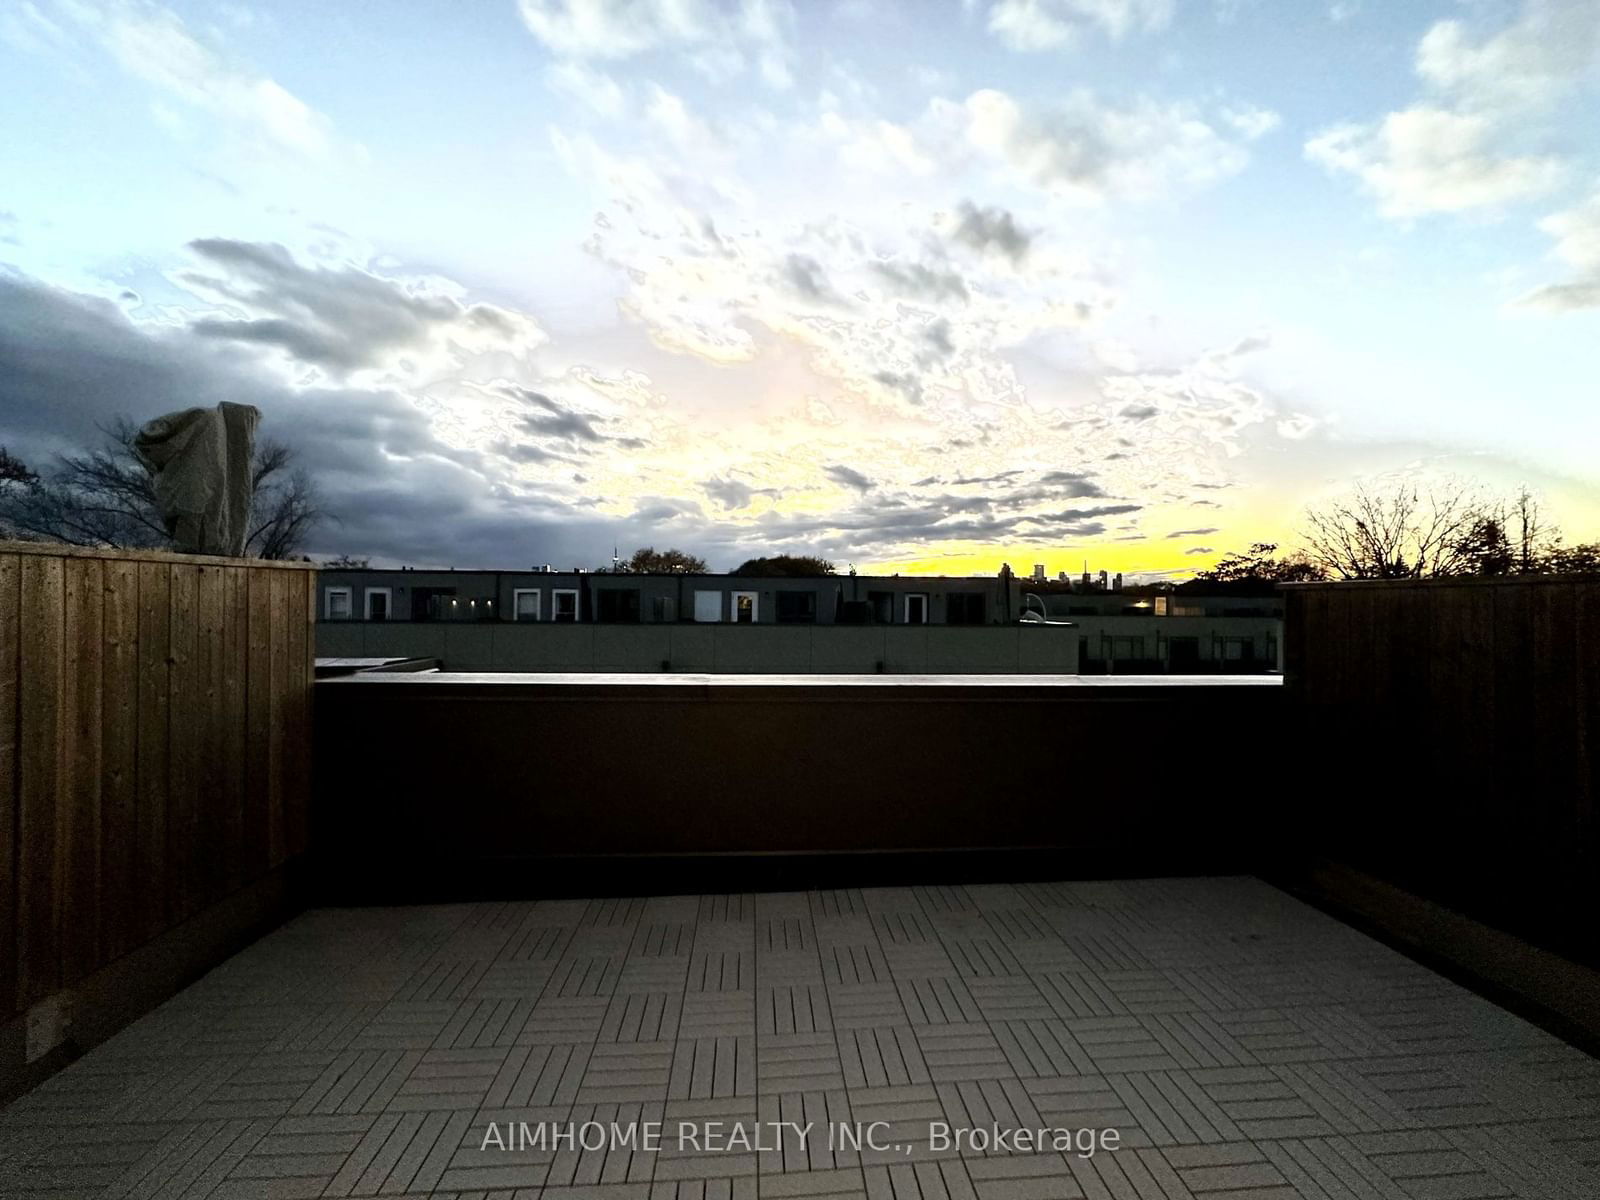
(582, 621)
(593, 597)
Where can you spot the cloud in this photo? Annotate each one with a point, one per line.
(1577, 234)
(991, 229)
(1250, 122)
(341, 319)
(1086, 150)
(593, 89)
(1183, 533)
(153, 44)
(1426, 160)
(1524, 67)
(733, 493)
(1200, 550)
(849, 478)
(719, 37)
(1072, 483)
(920, 281)
(552, 420)
(1032, 25)
(1474, 142)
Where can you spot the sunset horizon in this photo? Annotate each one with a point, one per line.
(1130, 283)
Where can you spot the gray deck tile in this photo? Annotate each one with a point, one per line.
(1239, 1043)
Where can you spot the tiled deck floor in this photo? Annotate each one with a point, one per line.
(1242, 1044)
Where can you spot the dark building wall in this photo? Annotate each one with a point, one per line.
(764, 648)
(512, 775)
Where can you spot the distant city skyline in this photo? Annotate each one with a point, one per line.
(920, 287)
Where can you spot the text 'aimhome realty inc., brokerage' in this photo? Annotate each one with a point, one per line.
(746, 1137)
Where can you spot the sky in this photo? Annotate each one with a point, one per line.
(921, 287)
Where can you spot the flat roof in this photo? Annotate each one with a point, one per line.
(667, 680)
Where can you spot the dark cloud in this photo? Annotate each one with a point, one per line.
(1075, 484)
(848, 477)
(734, 493)
(1138, 412)
(992, 229)
(1200, 550)
(1083, 514)
(339, 319)
(664, 508)
(805, 275)
(921, 282)
(1002, 477)
(69, 364)
(527, 452)
(555, 421)
(1182, 533)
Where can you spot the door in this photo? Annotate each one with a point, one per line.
(744, 608)
(377, 604)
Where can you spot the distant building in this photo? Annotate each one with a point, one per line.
(1038, 572)
(461, 618)
(541, 595)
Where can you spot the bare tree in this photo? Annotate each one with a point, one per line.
(105, 497)
(1533, 538)
(1410, 531)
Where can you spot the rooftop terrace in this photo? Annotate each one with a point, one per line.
(1241, 1043)
(695, 898)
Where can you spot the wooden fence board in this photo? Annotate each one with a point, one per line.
(300, 670)
(81, 763)
(155, 602)
(121, 920)
(211, 682)
(10, 651)
(258, 839)
(39, 866)
(277, 716)
(235, 730)
(184, 698)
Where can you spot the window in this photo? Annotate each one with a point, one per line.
(525, 604)
(1235, 649)
(917, 608)
(797, 608)
(336, 604)
(377, 601)
(708, 606)
(662, 609)
(431, 603)
(1125, 649)
(617, 604)
(745, 607)
(964, 608)
(564, 604)
(882, 604)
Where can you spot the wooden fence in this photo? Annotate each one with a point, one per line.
(155, 719)
(1450, 743)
